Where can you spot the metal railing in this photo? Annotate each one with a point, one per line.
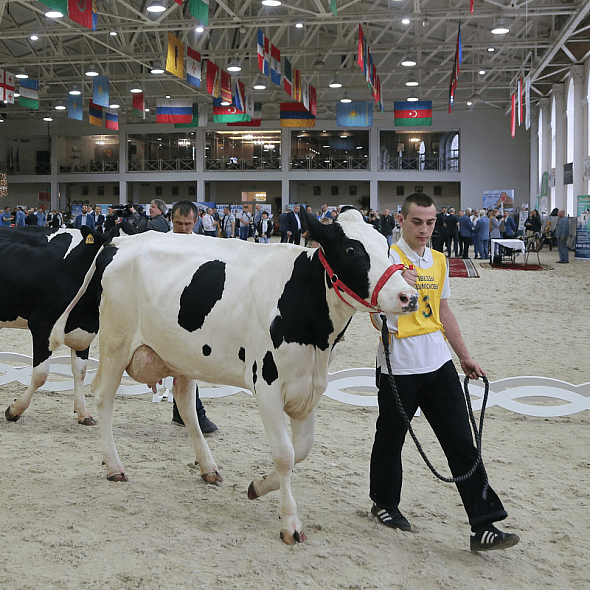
(420, 163)
(323, 163)
(90, 167)
(161, 165)
(241, 164)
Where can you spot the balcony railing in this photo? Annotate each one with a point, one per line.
(90, 166)
(323, 163)
(420, 163)
(242, 164)
(161, 165)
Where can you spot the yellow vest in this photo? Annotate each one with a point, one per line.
(429, 286)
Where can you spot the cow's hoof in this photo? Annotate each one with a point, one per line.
(90, 421)
(253, 492)
(212, 477)
(10, 416)
(294, 537)
(117, 477)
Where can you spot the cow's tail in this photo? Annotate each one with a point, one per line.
(58, 332)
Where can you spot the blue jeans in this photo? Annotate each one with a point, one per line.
(244, 232)
(263, 240)
(564, 255)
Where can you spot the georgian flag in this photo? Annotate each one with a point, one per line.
(6, 86)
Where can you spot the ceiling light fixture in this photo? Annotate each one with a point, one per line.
(91, 71)
(157, 68)
(412, 99)
(335, 83)
(199, 28)
(74, 91)
(60, 107)
(271, 2)
(298, 25)
(405, 21)
(346, 98)
(491, 49)
(21, 74)
(167, 96)
(469, 103)
(135, 88)
(500, 28)
(225, 103)
(114, 106)
(54, 14)
(318, 62)
(234, 66)
(34, 37)
(156, 7)
(482, 72)
(113, 33)
(408, 61)
(259, 84)
(412, 82)
(48, 118)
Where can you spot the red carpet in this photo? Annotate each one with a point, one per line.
(518, 266)
(459, 267)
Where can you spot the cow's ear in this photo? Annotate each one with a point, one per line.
(91, 236)
(311, 228)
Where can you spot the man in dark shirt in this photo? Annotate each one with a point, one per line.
(451, 221)
(387, 226)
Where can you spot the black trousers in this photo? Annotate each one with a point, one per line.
(465, 243)
(452, 240)
(440, 397)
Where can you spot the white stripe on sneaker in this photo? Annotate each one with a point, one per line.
(488, 537)
(383, 515)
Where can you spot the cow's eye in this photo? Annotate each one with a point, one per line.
(350, 251)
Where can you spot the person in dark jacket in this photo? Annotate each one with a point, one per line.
(452, 231)
(157, 211)
(387, 226)
(284, 226)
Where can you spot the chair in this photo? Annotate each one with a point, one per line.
(534, 244)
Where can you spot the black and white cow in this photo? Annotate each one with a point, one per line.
(42, 269)
(195, 307)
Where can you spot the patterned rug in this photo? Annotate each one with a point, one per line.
(459, 267)
(517, 266)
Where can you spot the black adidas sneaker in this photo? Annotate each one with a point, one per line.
(491, 538)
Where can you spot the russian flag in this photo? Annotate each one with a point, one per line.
(111, 119)
(262, 47)
(174, 111)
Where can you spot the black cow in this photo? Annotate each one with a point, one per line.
(42, 270)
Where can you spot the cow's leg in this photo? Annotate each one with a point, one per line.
(184, 392)
(283, 454)
(303, 435)
(79, 365)
(104, 386)
(38, 378)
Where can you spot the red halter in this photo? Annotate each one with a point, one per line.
(340, 286)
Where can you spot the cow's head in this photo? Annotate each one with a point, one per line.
(359, 256)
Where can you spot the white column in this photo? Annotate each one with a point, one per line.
(374, 163)
(534, 188)
(579, 93)
(54, 168)
(560, 138)
(285, 161)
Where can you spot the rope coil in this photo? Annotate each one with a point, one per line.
(477, 432)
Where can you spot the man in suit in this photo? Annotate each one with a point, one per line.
(98, 219)
(85, 218)
(450, 223)
(284, 226)
(294, 226)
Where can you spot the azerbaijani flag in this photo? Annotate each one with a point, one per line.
(256, 118)
(174, 111)
(294, 114)
(227, 114)
(413, 113)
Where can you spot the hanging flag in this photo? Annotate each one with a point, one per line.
(249, 101)
(138, 106)
(459, 52)
(256, 119)
(6, 87)
(354, 114)
(334, 7)
(471, 6)
(225, 85)
(305, 93)
(238, 95)
(513, 115)
(313, 101)
(412, 113)
(194, 121)
(59, 5)
(174, 111)
(527, 103)
(288, 78)
(520, 119)
(193, 67)
(111, 119)
(200, 10)
(275, 65)
(29, 94)
(297, 85)
(83, 12)
(227, 114)
(100, 91)
(361, 49)
(294, 114)
(175, 56)
(213, 79)
(95, 114)
(75, 108)
(262, 48)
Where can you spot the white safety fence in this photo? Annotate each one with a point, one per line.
(529, 396)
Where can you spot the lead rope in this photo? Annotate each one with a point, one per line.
(477, 432)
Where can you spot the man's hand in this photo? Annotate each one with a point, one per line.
(472, 369)
(410, 276)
